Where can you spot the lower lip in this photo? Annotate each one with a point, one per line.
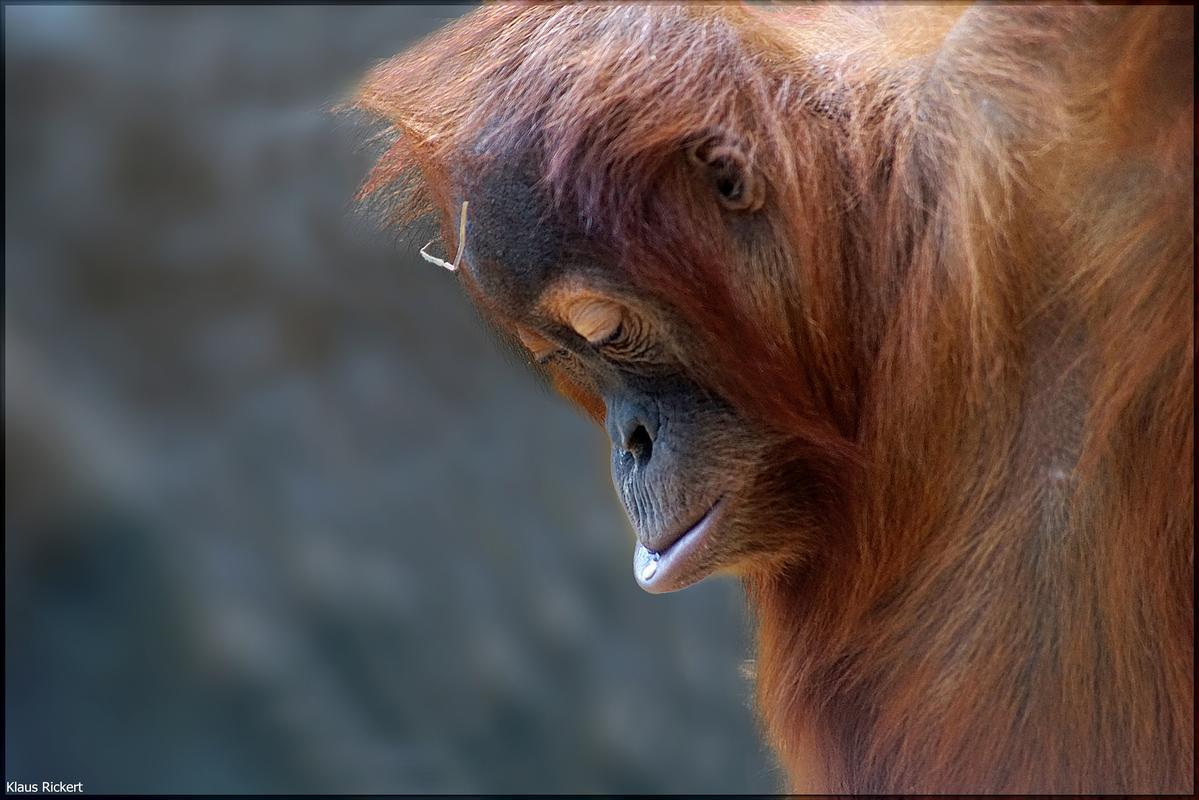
(681, 564)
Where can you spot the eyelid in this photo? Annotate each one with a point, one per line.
(538, 346)
(611, 337)
(596, 319)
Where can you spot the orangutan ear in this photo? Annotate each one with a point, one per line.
(727, 168)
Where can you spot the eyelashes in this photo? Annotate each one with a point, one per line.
(606, 325)
(550, 357)
(544, 351)
(613, 337)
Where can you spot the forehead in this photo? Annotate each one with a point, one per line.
(517, 243)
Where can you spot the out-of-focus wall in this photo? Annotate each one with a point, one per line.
(278, 515)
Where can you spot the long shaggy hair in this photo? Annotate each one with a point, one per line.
(969, 295)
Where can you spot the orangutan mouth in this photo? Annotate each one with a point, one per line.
(683, 562)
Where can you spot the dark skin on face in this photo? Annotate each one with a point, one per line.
(701, 484)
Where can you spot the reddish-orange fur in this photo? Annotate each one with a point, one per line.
(976, 313)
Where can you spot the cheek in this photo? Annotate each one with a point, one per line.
(585, 399)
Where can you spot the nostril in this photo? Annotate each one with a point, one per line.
(633, 429)
(640, 444)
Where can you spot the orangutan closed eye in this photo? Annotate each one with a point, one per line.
(888, 312)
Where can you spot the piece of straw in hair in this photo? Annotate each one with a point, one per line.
(461, 245)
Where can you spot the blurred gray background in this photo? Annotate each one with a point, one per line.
(278, 515)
